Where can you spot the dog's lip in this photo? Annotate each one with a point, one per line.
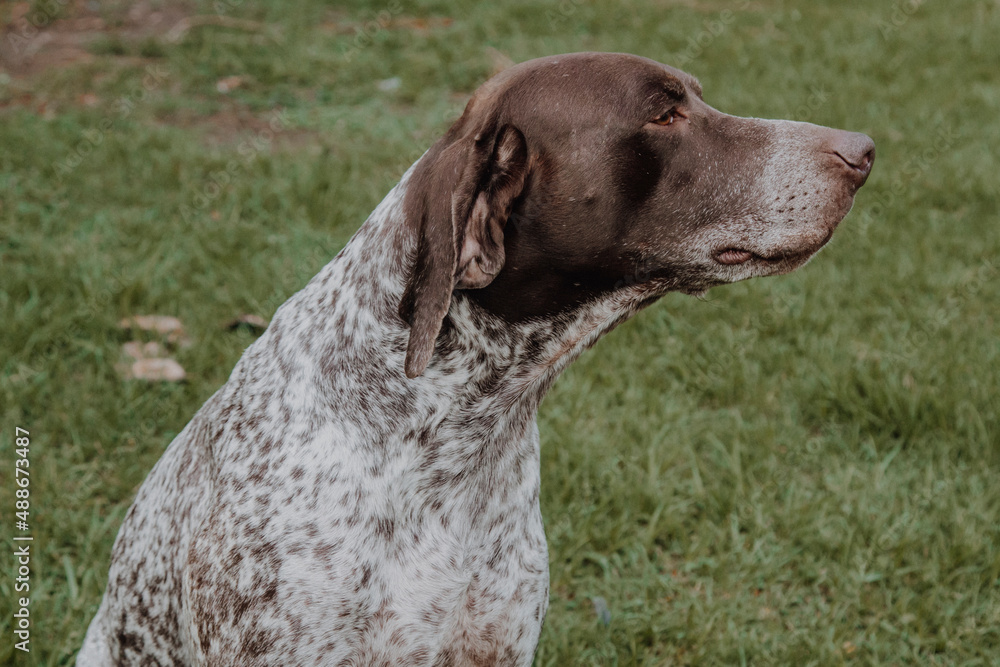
(732, 256)
(735, 256)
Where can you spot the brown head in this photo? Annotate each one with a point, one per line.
(570, 177)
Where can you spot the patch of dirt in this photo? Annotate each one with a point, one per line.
(236, 125)
(63, 33)
(59, 33)
(341, 23)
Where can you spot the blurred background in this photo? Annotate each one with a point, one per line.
(796, 471)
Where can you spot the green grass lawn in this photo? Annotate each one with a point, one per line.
(795, 471)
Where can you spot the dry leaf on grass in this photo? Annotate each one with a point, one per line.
(169, 327)
(389, 85)
(226, 84)
(422, 26)
(137, 350)
(254, 323)
(182, 27)
(161, 324)
(148, 361)
(157, 370)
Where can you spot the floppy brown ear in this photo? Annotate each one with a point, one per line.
(459, 198)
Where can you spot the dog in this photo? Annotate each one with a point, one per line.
(364, 489)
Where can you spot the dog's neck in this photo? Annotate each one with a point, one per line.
(481, 368)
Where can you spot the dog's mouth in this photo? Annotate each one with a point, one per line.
(735, 256)
(732, 256)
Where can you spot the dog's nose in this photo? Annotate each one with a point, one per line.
(857, 151)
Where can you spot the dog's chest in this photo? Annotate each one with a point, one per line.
(411, 553)
(433, 592)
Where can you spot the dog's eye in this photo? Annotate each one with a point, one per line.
(668, 117)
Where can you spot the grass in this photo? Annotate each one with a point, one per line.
(795, 471)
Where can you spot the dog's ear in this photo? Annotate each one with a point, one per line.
(458, 200)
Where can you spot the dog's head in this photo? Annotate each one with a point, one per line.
(573, 176)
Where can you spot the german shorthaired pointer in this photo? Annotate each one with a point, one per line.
(364, 489)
